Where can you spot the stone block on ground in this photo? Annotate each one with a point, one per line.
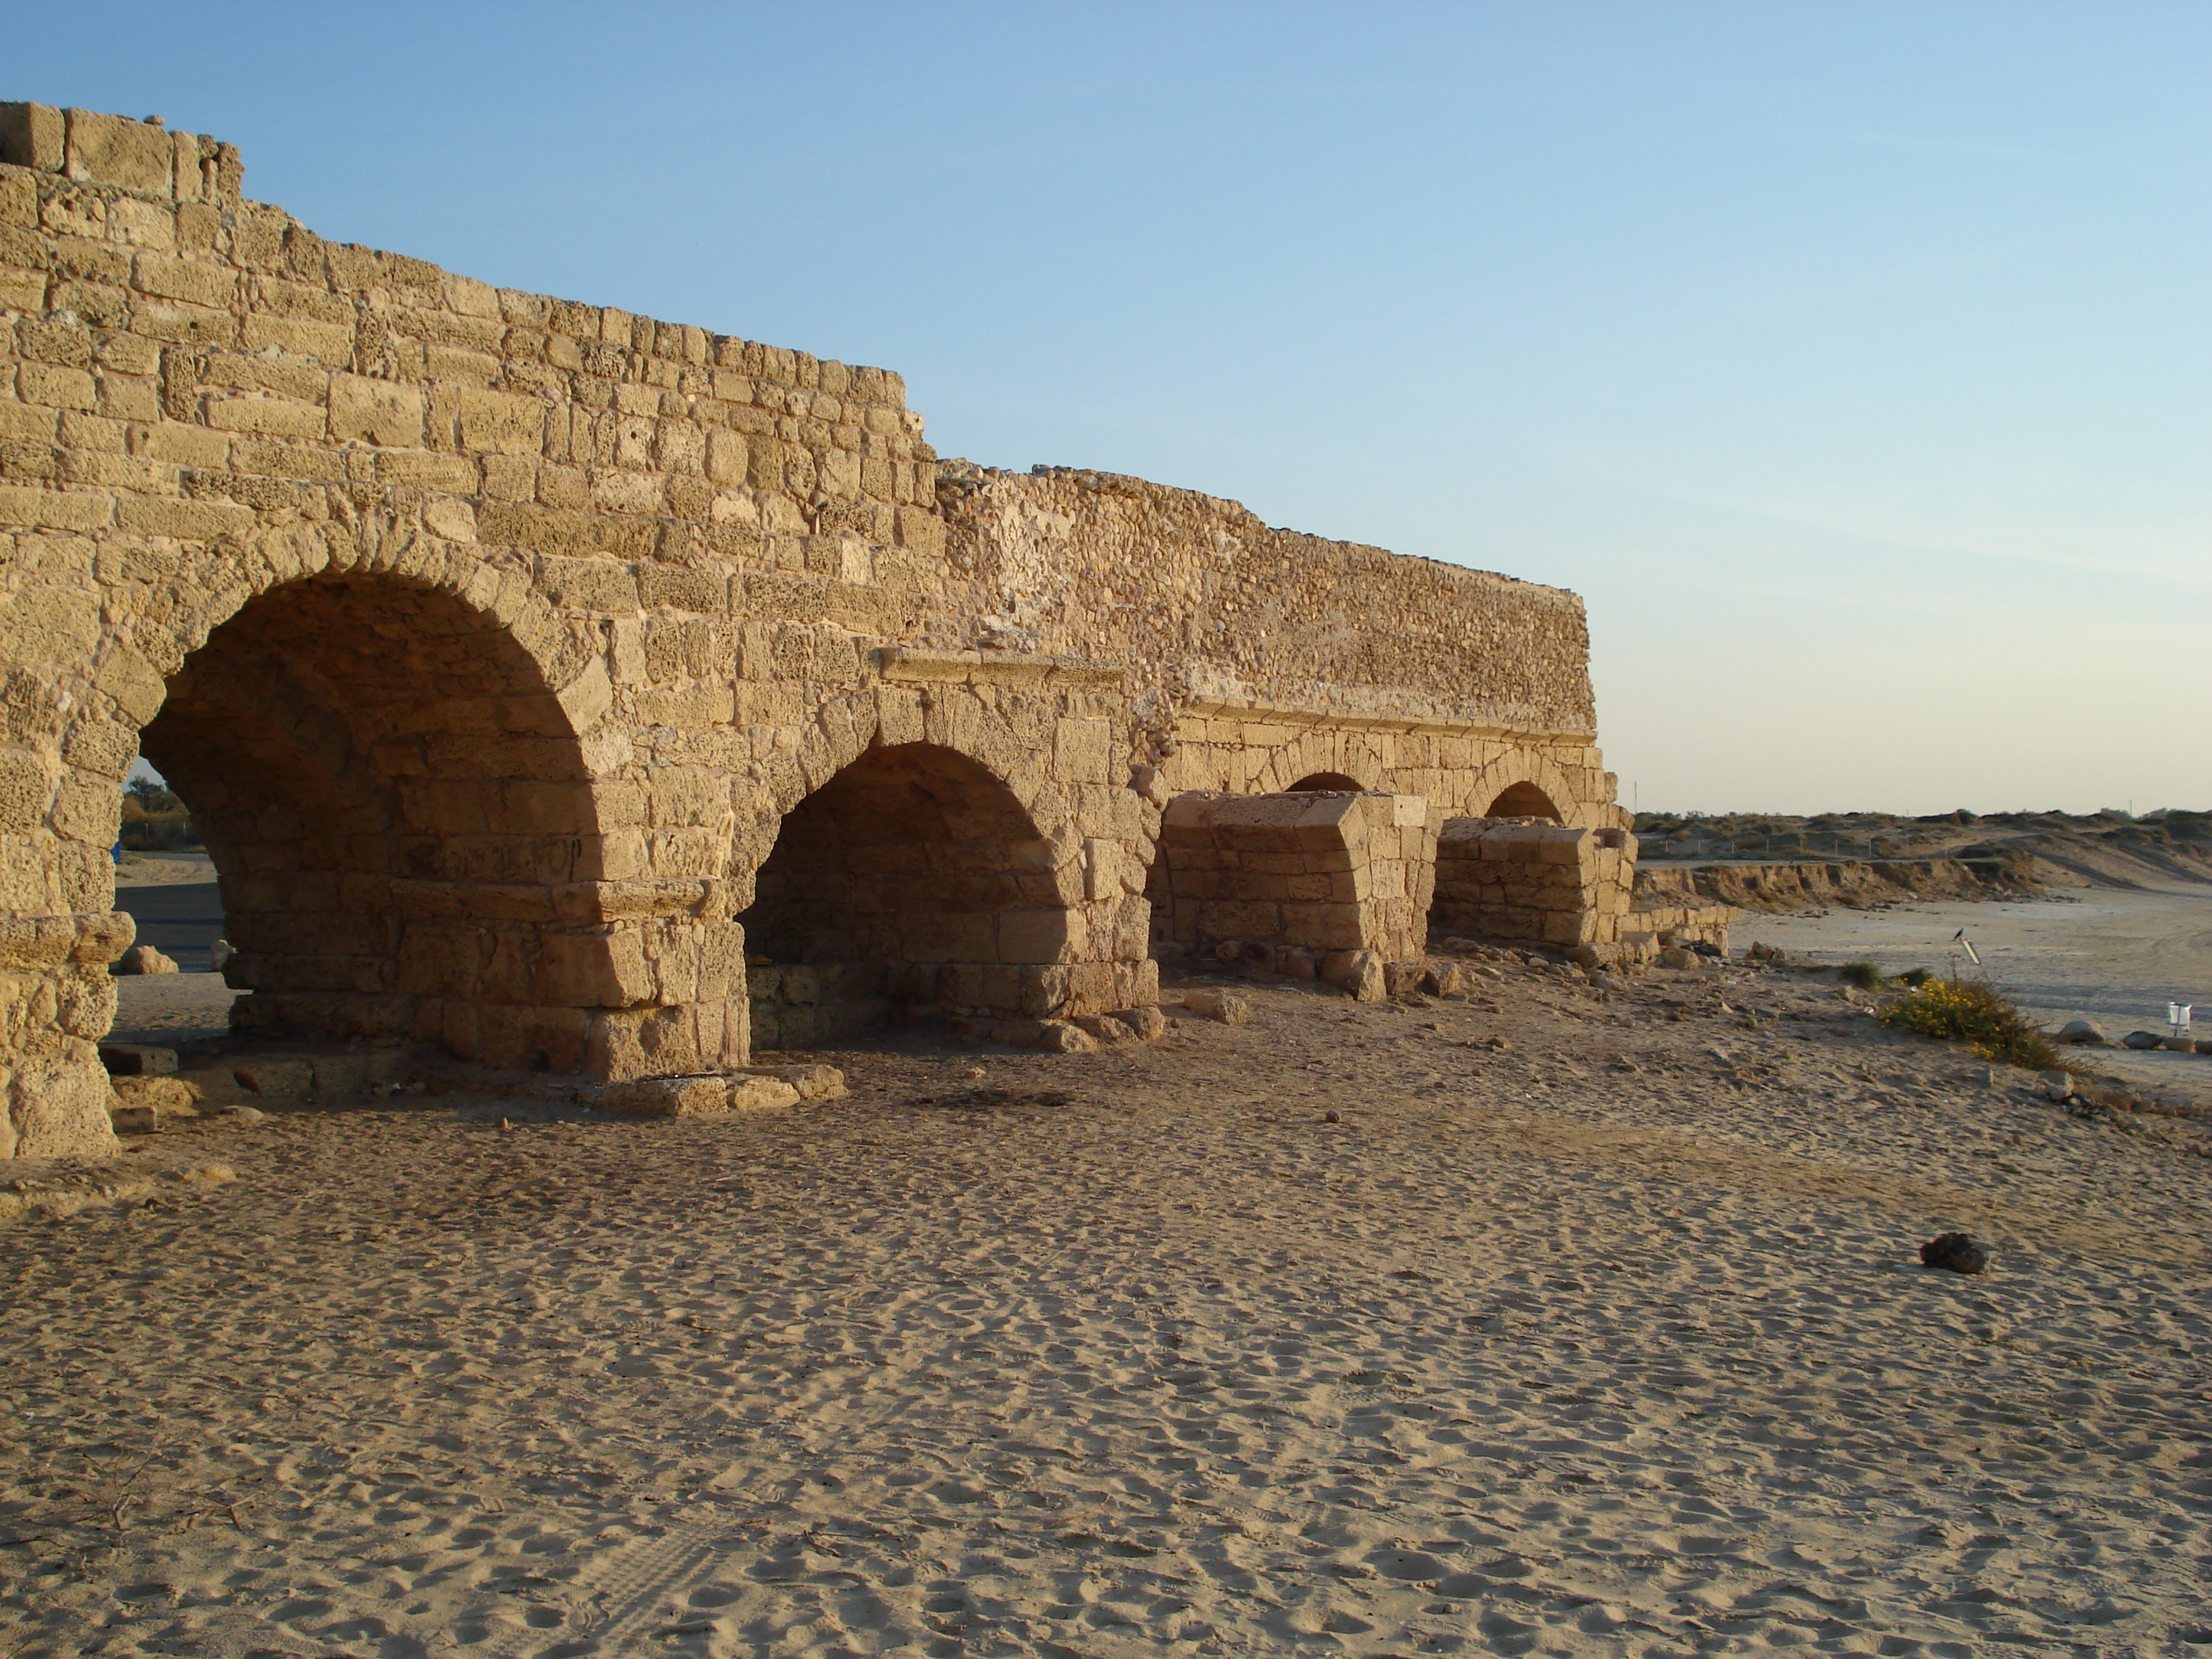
(1105, 1028)
(1148, 1024)
(1445, 979)
(2141, 1040)
(1358, 973)
(144, 959)
(1065, 1036)
(1403, 978)
(137, 1060)
(2079, 1030)
(165, 1097)
(715, 1094)
(133, 1119)
(812, 1082)
(1223, 1005)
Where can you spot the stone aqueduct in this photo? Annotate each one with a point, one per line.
(528, 662)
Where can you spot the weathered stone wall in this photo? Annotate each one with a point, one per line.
(1515, 879)
(1260, 657)
(497, 640)
(1320, 873)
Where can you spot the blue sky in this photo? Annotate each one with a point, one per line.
(1849, 360)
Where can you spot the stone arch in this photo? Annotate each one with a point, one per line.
(402, 818)
(1334, 752)
(1327, 783)
(911, 881)
(1522, 800)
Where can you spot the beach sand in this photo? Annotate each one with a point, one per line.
(1611, 1342)
(163, 870)
(2114, 958)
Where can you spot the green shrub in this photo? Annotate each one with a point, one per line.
(1864, 974)
(1975, 1014)
(1915, 977)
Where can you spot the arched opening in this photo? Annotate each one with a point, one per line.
(913, 882)
(393, 799)
(1524, 801)
(1327, 783)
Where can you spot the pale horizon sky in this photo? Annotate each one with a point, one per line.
(1850, 361)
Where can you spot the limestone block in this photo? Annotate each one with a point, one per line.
(710, 1094)
(380, 412)
(162, 1096)
(1105, 1030)
(1060, 1036)
(137, 1060)
(1225, 1006)
(113, 149)
(1148, 1024)
(1358, 972)
(33, 136)
(809, 1082)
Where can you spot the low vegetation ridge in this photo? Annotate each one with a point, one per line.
(2000, 851)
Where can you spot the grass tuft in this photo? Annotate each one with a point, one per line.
(1864, 974)
(1975, 1014)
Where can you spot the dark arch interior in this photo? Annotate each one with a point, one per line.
(1524, 801)
(1327, 783)
(910, 884)
(388, 788)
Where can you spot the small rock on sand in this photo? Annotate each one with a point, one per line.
(2079, 1030)
(1224, 1006)
(144, 959)
(1958, 1253)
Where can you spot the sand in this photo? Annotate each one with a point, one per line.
(171, 1008)
(163, 869)
(1610, 1343)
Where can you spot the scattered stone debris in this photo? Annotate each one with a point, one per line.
(1957, 1252)
(715, 1094)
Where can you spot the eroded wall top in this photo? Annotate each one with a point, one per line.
(1208, 602)
(214, 366)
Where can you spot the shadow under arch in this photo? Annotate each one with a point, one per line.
(1524, 801)
(913, 882)
(1327, 783)
(393, 796)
